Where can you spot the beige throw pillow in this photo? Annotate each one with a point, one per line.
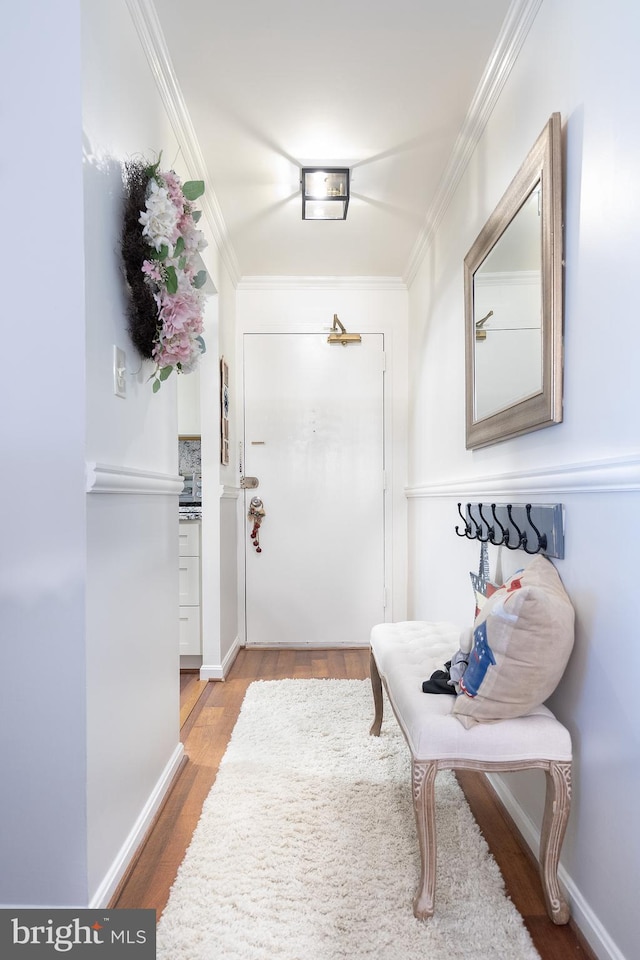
(522, 640)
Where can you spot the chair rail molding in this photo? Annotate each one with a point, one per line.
(614, 475)
(107, 478)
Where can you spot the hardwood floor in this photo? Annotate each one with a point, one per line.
(208, 714)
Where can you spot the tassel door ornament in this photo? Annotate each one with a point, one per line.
(256, 516)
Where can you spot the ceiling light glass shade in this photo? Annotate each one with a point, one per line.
(325, 193)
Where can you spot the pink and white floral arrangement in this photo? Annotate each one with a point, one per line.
(160, 244)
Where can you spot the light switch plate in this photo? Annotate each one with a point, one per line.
(119, 372)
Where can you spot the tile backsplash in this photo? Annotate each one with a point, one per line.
(189, 459)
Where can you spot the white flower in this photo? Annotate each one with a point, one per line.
(160, 219)
(194, 240)
(196, 352)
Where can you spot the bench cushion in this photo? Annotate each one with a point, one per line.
(406, 653)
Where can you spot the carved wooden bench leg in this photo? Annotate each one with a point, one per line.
(554, 824)
(424, 779)
(409, 650)
(376, 686)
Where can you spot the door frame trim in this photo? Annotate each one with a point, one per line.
(285, 310)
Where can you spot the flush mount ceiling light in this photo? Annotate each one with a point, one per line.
(325, 193)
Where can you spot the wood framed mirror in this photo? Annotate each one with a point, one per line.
(513, 303)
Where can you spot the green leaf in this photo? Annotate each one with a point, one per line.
(171, 280)
(152, 169)
(193, 189)
(196, 214)
(160, 254)
(200, 279)
(156, 386)
(203, 346)
(182, 262)
(179, 247)
(164, 373)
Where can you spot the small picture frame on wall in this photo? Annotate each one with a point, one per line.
(224, 411)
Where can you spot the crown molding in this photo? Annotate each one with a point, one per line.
(514, 30)
(321, 283)
(145, 20)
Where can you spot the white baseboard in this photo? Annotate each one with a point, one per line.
(119, 867)
(581, 913)
(190, 661)
(312, 645)
(209, 671)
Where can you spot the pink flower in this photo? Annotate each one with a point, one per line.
(174, 189)
(181, 348)
(168, 220)
(180, 312)
(194, 240)
(151, 269)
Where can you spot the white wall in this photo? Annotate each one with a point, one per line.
(229, 595)
(43, 853)
(220, 482)
(132, 683)
(580, 58)
(363, 306)
(89, 710)
(188, 391)
(132, 610)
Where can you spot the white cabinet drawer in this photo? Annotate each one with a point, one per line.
(189, 581)
(189, 587)
(190, 631)
(189, 538)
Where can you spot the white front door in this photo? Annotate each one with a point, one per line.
(314, 439)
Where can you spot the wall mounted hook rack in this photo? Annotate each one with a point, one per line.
(532, 527)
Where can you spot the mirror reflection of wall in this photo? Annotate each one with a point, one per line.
(508, 314)
(513, 303)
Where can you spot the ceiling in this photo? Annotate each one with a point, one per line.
(385, 87)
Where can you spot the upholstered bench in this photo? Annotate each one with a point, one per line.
(405, 654)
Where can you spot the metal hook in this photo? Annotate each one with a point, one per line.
(522, 537)
(478, 530)
(490, 530)
(467, 525)
(504, 534)
(542, 538)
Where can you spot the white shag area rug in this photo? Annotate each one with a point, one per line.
(307, 849)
